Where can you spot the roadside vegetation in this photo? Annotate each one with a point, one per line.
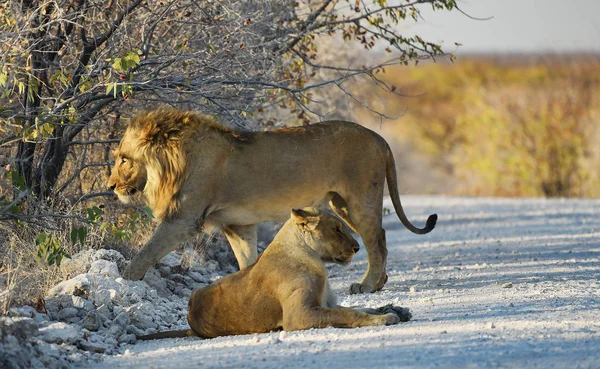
(508, 126)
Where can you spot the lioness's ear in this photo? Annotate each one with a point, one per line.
(305, 219)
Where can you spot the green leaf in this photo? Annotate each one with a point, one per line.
(134, 57)
(55, 76)
(74, 235)
(3, 79)
(116, 65)
(82, 235)
(41, 238)
(94, 213)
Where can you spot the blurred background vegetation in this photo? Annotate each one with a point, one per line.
(526, 126)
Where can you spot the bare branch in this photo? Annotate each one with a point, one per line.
(93, 142)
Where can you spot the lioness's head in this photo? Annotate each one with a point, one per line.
(326, 234)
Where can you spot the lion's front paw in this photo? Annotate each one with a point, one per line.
(356, 288)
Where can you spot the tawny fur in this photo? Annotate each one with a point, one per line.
(196, 174)
(287, 288)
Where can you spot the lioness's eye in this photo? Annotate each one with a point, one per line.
(123, 160)
(338, 230)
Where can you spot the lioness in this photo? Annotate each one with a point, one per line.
(196, 174)
(287, 288)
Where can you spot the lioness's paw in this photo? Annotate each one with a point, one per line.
(391, 319)
(356, 288)
(404, 314)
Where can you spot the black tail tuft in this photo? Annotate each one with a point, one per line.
(431, 221)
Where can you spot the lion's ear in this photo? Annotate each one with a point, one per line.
(305, 219)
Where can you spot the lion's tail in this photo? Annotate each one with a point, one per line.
(392, 181)
(169, 334)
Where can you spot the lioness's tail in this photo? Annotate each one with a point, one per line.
(169, 334)
(390, 172)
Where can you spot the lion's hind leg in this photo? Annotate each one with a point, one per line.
(363, 214)
(377, 253)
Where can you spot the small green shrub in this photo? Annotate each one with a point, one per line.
(50, 250)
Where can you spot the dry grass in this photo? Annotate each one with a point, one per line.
(24, 278)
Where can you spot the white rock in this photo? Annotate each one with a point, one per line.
(40, 318)
(24, 311)
(67, 306)
(171, 260)
(127, 338)
(133, 298)
(92, 321)
(97, 347)
(60, 333)
(143, 321)
(118, 310)
(19, 327)
(198, 277)
(84, 259)
(105, 297)
(104, 310)
(121, 320)
(152, 294)
(105, 268)
(154, 280)
(81, 303)
(114, 331)
(110, 255)
(212, 266)
(78, 285)
(164, 270)
(132, 329)
(104, 283)
(135, 288)
(67, 313)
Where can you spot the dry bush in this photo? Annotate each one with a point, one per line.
(25, 276)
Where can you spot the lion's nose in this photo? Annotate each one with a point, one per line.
(112, 187)
(356, 248)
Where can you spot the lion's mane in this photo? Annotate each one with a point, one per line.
(163, 137)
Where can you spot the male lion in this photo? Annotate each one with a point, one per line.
(287, 288)
(196, 174)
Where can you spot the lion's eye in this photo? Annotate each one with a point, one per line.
(123, 160)
(338, 230)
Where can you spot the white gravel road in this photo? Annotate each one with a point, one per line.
(499, 283)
